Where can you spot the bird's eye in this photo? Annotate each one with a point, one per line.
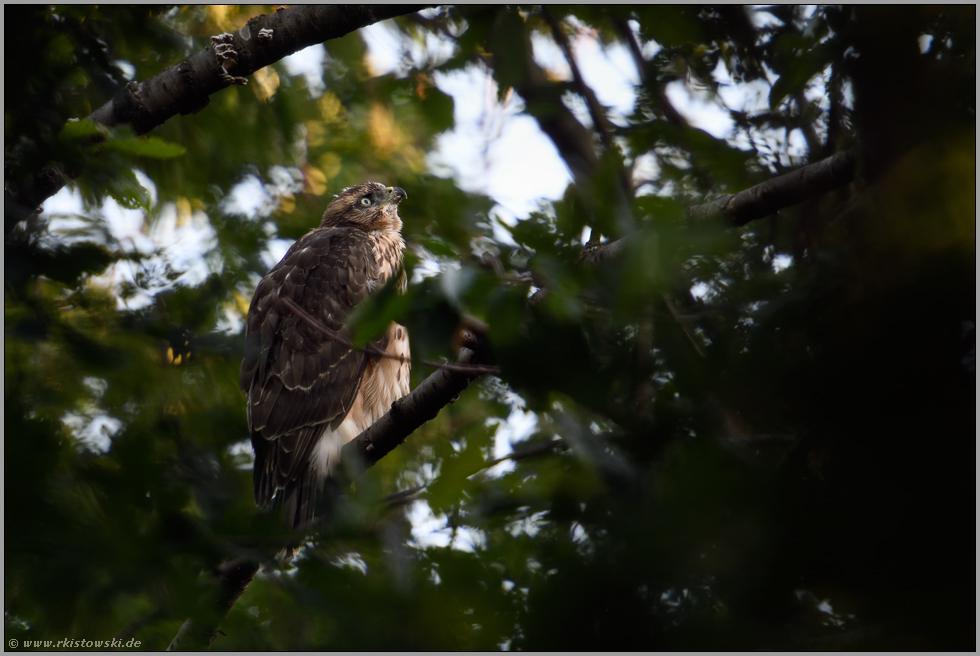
(365, 202)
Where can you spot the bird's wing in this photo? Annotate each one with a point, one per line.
(297, 379)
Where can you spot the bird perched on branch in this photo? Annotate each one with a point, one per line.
(310, 393)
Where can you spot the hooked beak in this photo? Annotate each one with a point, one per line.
(396, 194)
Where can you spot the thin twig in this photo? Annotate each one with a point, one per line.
(680, 322)
(601, 124)
(529, 451)
(375, 351)
(133, 627)
(403, 497)
(595, 109)
(519, 454)
(670, 113)
(462, 368)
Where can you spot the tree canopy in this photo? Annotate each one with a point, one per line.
(728, 390)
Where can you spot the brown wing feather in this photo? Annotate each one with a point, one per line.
(297, 379)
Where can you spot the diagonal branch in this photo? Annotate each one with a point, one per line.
(573, 140)
(683, 325)
(513, 53)
(757, 202)
(659, 90)
(185, 87)
(599, 118)
(232, 579)
(779, 192)
(263, 40)
(407, 414)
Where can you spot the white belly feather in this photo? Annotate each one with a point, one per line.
(385, 381)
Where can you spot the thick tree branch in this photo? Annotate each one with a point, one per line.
(264, 40)
(232, 579)
(782, 191)
(407, 414)
(596, 254)
(185, 88)
(756, 202)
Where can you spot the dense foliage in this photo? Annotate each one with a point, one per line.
(753, 437)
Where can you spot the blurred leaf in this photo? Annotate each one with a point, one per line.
(802, 64)
(446, 490)
(145, 147)
(80, 129)
(439, 247)
(437, 107)
(669, 25)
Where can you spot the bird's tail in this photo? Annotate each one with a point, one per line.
(299, 499)
(316, 490)
(297, 505)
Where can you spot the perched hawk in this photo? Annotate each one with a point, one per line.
(309, 395)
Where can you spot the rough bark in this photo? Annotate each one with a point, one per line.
(232, 579)
(407, 414)
(185, 87)
(264, 40)
(783, 191)
(756, 202)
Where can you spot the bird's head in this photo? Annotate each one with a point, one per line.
(369, 206)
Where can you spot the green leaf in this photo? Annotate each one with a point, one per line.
(437, 246)
(508, 44)
(799, 67)
(437, 108)
(670, 25)
(75, 129)
(456, 467)
(152, 147)
(373, 316)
